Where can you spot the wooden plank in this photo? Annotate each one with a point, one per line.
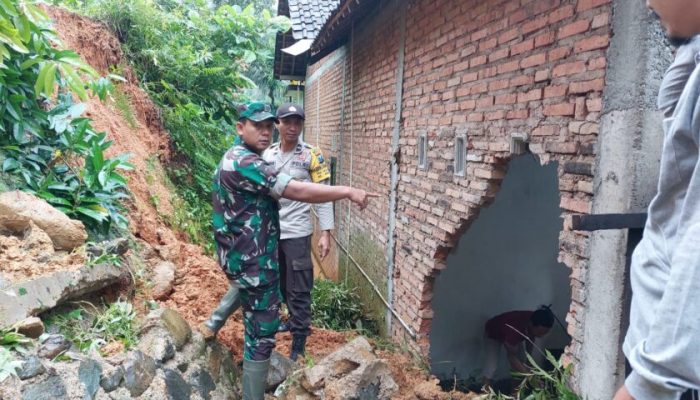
(596, 222)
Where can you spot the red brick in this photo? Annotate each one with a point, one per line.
(509, 67)
(475, 117)
(518, 114)
(488, 44)
(532, 95)
(469, 77)
(533, 60)
(521, 80)
(578, 206)
(463, 91)
(495, 115)
(546, 130)
(592, 43)
(508, 98)
(522, 47)
(544, 39)
(499, 84)
(555, 91)
(562, 147)
(542, 75)
(559, 53)
(518, 16)
(467, 104)
(600, 21)
(584, 5)
(534, 25)
(569, 69)
(595, 85)
(561, 13)
(478, 35)
(597, 63)
(498, 55)
(573, 28)
(480, 87)
(476, 61)
(484, 102)
(560, 109)
(507, 36)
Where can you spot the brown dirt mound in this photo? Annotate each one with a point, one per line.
(199, 283)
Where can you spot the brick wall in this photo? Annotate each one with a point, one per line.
(486, 69)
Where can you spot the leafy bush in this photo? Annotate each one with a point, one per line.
(336, 306)
(56, 154)
(91, 328)
(192, 56)
(11, 340)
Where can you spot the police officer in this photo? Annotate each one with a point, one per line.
(246, 231)
(305, 163)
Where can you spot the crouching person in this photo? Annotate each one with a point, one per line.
(247, 233)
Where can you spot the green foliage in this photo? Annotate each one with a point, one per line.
(11, 340)
(123, 104)
(541, 384)
(43, 140)
(90, 327)
(193, 57)
(335, 306)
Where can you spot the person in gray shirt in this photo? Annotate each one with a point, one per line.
(304, 163)
(663, 340)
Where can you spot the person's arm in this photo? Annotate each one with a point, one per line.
(513, 360)
(318, 193)
(326, 224)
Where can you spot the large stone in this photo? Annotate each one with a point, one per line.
(89, 374)
(177, 388)
(51, 388)
(14, 223)
(202, 382)
(177, 326)
(30, 368)
(163, 280)
(158, 344)
(52, 346)
(111, 379)
(30, 298)
(139, 371)
(65, 233)
(351, 372)
(280, 369)
(31, 327)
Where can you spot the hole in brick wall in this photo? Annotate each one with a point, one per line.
(423, 151)
(460, 155)
(505, 261)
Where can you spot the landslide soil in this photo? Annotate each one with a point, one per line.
(200, 283)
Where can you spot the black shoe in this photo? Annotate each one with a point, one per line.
(298, 347)
(284, 327)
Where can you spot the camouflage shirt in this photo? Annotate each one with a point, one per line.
(246, 216)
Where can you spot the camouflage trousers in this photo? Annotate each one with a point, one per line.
(261, 319)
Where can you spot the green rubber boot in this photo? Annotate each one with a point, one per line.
(255, 379)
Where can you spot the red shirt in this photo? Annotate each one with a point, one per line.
(497, 329)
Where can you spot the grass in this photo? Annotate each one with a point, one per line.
(336, 306)
(122, 102)
(91, 327)
(11, 341)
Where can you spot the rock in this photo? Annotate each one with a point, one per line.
(32, 297)
(65, 233)
(30, 368)
(4, 283)
(117, 246)
(89, 374)
(351, 372)
(177, 326)
(51, 388)
(31, 327)
(139, 371)
(163, 280)
(157, 343)
(176, 387)
(280, 369)
(202, 382)
(52, 346)
(111, 380)
(14, 223)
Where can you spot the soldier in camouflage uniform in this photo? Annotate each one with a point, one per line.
(247, 231)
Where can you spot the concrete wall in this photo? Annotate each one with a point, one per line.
(507, 260)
